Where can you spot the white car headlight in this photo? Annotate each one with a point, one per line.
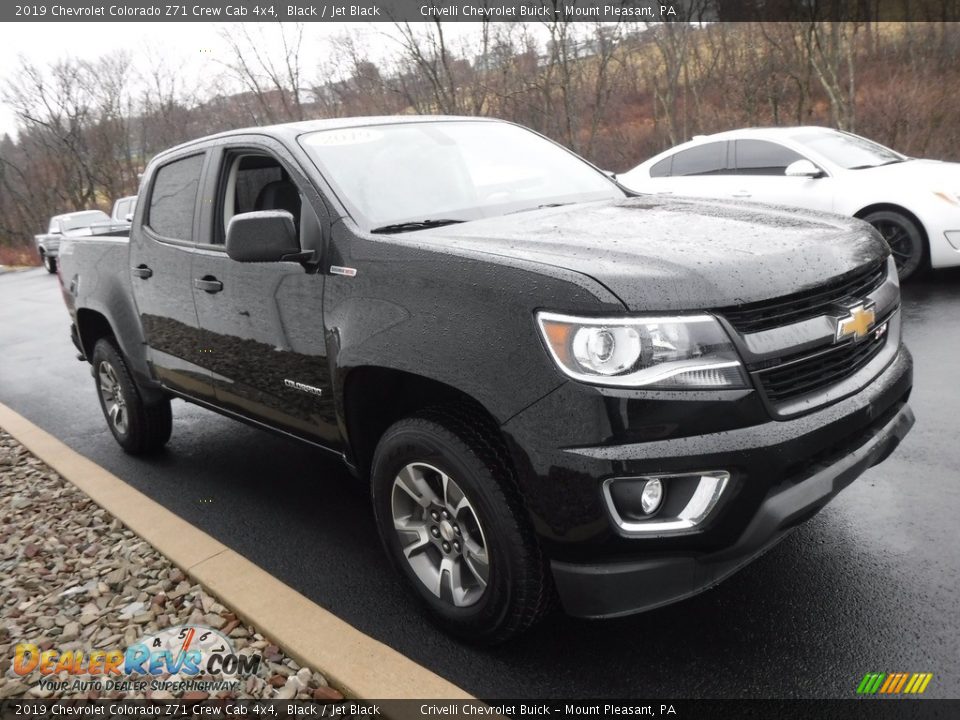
(951, 197)
(681, 352)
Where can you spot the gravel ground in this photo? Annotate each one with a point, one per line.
(74, 578)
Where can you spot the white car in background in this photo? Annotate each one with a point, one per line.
(915, 204)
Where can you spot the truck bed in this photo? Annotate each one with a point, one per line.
(94, 269)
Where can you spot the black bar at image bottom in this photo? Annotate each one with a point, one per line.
(853, 709)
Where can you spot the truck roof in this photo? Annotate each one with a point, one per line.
(290, 131)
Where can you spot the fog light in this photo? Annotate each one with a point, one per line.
(652, 496)
(641, 505)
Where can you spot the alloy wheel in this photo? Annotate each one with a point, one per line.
(112, 395)
(899, 239)
(440, 534)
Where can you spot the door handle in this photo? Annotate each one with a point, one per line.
(742, 194)
(209, 284)
(142, 271)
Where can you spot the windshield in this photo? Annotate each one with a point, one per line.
(82, 220)
(451, 171)
(848, 151)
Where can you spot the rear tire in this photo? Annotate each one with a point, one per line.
(905, 239)
(50, 263)
(138, 427)
(453, 524)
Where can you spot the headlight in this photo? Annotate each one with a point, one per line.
(951, 197)
(892, 274)
(660, 352)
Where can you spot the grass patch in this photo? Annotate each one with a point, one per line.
(17, 256)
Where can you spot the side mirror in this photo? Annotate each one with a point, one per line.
(803, 168)
(264, 236)
(611, 174)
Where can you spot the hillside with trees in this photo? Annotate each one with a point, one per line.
(615, 93)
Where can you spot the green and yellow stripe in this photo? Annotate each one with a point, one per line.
(894, 683)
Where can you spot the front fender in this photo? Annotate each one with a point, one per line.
(465, 320)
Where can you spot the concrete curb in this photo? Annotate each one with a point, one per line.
(354, 663)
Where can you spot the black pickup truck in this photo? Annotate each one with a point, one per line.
(555, 388)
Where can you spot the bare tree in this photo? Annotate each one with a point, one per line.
(53, 105)
(353, 84)
(429, 65)
(672, 41)
(164, 97)
(831, 52)
(614, 92)
(275, 81)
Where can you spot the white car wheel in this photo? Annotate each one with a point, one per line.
(904, 238)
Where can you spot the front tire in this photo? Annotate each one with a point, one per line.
(50, 263)
(138, 427)
(452, 523)
(905, 239)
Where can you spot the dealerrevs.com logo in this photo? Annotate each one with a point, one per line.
(189, 652)
(894, 683)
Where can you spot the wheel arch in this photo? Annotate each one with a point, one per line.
(376, 397)
(893, 207)
(91, 327)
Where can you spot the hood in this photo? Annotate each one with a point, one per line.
(932, 174)
(666, 253)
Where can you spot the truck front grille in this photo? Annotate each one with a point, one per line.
(788, 309)
(820, 369)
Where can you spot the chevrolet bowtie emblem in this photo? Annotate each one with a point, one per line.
(858, 323)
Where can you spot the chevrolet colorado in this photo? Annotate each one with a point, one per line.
(555, 388)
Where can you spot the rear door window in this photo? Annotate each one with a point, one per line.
(708, 159)
(761, 157)
(662, 168)
(173, 199)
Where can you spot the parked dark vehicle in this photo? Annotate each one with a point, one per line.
(48, 243)
(554, 388)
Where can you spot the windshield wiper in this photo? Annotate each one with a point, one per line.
(539, 207)
(415, 225)
(867, 167)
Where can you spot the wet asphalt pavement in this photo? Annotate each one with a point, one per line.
(870, 584)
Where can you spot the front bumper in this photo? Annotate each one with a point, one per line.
(609, 590)
(783, 472)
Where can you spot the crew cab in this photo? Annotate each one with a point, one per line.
(553, 386)
(48, 243)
